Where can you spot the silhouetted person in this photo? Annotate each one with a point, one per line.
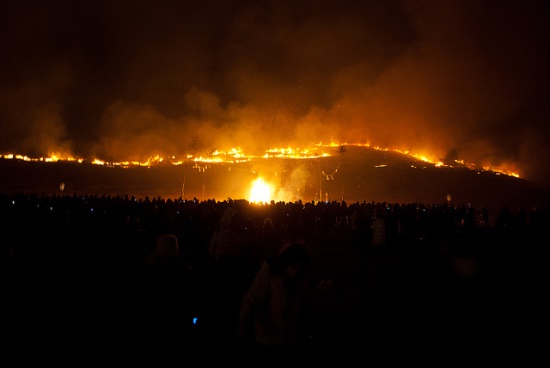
(273, 310)
(379, 235)
(268, 242)
(229, 276)
(163, 300)
(226, 243)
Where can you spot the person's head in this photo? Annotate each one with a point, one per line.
(227, 218)
(293, 262)
(267, 225)
(166, 249)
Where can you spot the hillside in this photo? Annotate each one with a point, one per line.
(359, 174)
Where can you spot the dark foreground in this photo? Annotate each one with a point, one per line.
(448, 287)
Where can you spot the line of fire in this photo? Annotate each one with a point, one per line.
(319, 164)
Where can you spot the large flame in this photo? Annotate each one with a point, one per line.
(236, 155)
(261, 191)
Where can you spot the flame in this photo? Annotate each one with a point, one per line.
(236, 155)
(261, 191)
(97, 161)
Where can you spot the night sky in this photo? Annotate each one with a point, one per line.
(128, 79)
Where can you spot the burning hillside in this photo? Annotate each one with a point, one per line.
(321, 173)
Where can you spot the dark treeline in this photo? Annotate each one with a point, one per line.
(74, 264)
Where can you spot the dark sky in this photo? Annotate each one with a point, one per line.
(128, 79)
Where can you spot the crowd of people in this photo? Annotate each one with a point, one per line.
(205, 271)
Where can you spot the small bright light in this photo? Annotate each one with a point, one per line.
(260, 192)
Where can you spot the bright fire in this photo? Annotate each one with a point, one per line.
(236, 155)
(261, 191)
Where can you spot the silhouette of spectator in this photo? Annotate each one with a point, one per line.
(230, 274)
(379, 228)
(268, 242)
(164, 297)
(273, 310)
(226, 242)
(267, 227)
(166, 252)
